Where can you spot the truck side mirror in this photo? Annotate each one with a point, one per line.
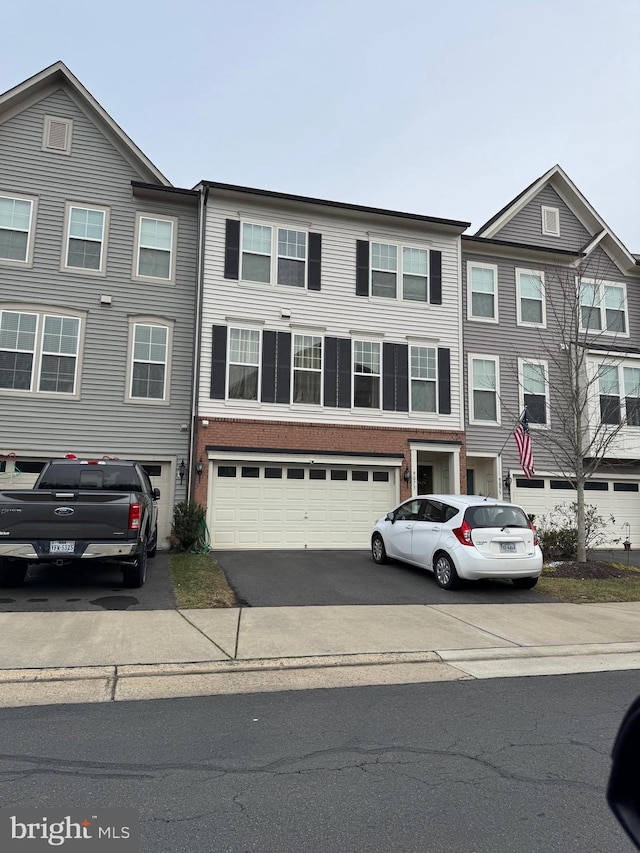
(623, 792)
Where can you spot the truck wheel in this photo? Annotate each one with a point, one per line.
(154, 547)
(12, 574)
(134, 574)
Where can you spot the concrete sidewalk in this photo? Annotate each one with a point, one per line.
(115, 655)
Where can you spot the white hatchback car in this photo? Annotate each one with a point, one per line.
(461, 536)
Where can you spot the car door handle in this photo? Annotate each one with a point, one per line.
(408, 527)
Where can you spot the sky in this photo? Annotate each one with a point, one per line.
(445, 109)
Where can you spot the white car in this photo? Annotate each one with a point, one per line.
(461, 536)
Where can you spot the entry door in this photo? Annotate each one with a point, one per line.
(425, 479)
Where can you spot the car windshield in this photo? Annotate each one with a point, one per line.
(495, 516)
(110, 478)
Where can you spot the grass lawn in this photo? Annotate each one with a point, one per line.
(589, 588)
(198, 581)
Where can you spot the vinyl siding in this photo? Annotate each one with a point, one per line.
(334, 311)
(526, 225)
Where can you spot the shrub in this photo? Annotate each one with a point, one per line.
(558, 531)
(559, 543)
(188, 520)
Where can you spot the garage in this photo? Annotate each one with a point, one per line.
(297, 504)
(618, 497)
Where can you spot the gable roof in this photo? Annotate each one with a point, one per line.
(58, 76)
(557, 178)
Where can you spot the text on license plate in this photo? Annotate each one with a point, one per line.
(62, 547)
(508, 547)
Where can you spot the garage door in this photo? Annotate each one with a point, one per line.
(271, 505)
(618, 498)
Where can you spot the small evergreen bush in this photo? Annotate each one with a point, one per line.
(188, 520)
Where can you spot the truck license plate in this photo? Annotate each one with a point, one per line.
(62, 547)
(508, 547)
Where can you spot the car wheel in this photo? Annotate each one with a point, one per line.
(524, 583)
(12, 574)
(445, 572)
(154, 548)
(134, 575)
(378, 551)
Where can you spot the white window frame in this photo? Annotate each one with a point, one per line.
(476, 356)
(33, 201)
(136, 275)
(538, 274)
(46, 132)
(41, 313)
(545, 366)
(413, 379)
(399, 271)
(378, 344)
(295, 369)
(64, 261)
(238, 401)
(274, 254)
(476, 317)
(601, 308)
(161, 322)
(619, 367)
(544, 210)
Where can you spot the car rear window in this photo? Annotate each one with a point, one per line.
(110, 478)
(493, 515)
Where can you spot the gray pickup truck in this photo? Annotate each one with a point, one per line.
(80, 510)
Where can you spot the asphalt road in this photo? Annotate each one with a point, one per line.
(502, 766)
(293, 578)
(92, 586)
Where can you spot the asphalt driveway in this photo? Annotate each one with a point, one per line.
(294, 578)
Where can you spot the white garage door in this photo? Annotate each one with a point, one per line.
(288, 505)
(619, 498)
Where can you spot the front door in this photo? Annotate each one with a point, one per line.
(425, 479)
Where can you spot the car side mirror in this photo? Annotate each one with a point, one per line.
(623, 792)
(156, 494)
(390, 517)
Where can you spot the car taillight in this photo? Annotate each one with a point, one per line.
(463, 533)
(135, 514)
(535, 532)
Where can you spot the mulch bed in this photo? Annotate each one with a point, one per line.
(589, 571)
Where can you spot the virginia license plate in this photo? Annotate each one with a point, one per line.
(62, 547)
(508, 547)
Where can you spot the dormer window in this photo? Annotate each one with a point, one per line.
(550, 221)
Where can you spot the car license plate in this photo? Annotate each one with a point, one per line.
(62, 547)
(508, 547)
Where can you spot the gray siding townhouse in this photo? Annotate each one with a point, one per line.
(330, 374)
(97, 292)
(515, 323)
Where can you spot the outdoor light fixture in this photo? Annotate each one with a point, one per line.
(199, 468)
(182, 470)
(406, 476)
(507, 481)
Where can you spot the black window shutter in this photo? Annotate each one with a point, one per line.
(444, 381)
(389, 377)
(331, 371)
(344, 373)
(315, 261)
(232, 249)
(435, 278)
(218, 362)
(362, 268)
(268, 394)
(283, 367)
(402, 378)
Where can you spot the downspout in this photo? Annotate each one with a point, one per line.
(204, 194)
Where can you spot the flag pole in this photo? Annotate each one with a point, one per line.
(512, 432)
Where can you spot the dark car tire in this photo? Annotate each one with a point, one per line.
(12, 574)
(445, 572)
(378, 551)
(135, 573)
(524, 583)
(154, 544)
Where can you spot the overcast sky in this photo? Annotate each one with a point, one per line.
(442, 108)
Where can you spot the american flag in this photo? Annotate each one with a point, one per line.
(523, 440)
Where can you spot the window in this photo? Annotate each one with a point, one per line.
(85, 237)
(258, 251)
(609, 394)
(625, 487)
(366, 374)
(631, 377)
(150, 358)
(484, 389)
(550, 221)
(380, 476)
(603, 307)
(423, 367)
(611, 378)
(531, 309)
(16, 220)
(155, 248)
(307, 369)
(413, 272)
(273, 473)
(38, 352)
(482, 292)
(244, 364)
(535, 390)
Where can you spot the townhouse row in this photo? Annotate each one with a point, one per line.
(297, 365)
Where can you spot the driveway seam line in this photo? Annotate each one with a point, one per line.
(235, 652)
(490, 633)
(200, 631)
